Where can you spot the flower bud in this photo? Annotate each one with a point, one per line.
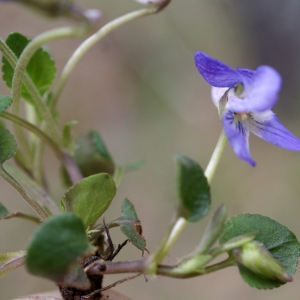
(63, 8)
(258, 259)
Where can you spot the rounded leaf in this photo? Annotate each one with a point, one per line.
(90, 197)
(276, 238)
(56, 246)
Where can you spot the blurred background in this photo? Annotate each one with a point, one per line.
(140, 89)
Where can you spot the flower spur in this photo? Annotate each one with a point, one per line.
(244, 99)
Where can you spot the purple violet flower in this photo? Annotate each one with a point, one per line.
(244, 99)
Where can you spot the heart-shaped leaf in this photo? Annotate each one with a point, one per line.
(90, 197)
(276, 238)
(193, 189)
(41, 67)
(56, 246)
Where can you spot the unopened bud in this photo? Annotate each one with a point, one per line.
(258, 259)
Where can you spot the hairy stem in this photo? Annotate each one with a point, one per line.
(21, 65)
(34, 205)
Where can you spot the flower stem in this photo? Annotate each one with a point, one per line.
(215, 158)
(91, 41)
(180, 223)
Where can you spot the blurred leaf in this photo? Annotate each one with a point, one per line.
(8, 145)
(56, 246)
(276, 238)
(88, 158)
(90, 197)
(134, 166)
(130, 225)
(11, 261)
(5, 102)
(67, 136)
(100, 146)
(3, 211)
(41, 67)
(193, 189)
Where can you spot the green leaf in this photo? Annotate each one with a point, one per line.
(5, 102)
(130, 225)
(88, 158)
(8, 145)
(41, 67)
(193, 189)
(3, 211)
(67, 136)
(56, 246)
(134, 166)
(90, 197)
(100, 146)
(278, 239)
(11, 261)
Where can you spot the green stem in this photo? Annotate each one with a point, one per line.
(215, 158)
(22, 216)
(20, 68)
(180, 223)
(141, 266)
(91, 41)
(33, 187)
(32, 128)
(35, 206)
(66, 159)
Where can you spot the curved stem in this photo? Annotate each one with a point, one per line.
(20, 67)
(35, 206)
(91, 41)
(32, 128)
(180, 223)
(163, 249)
(216, 156)
(22, 216)
(66, 159)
